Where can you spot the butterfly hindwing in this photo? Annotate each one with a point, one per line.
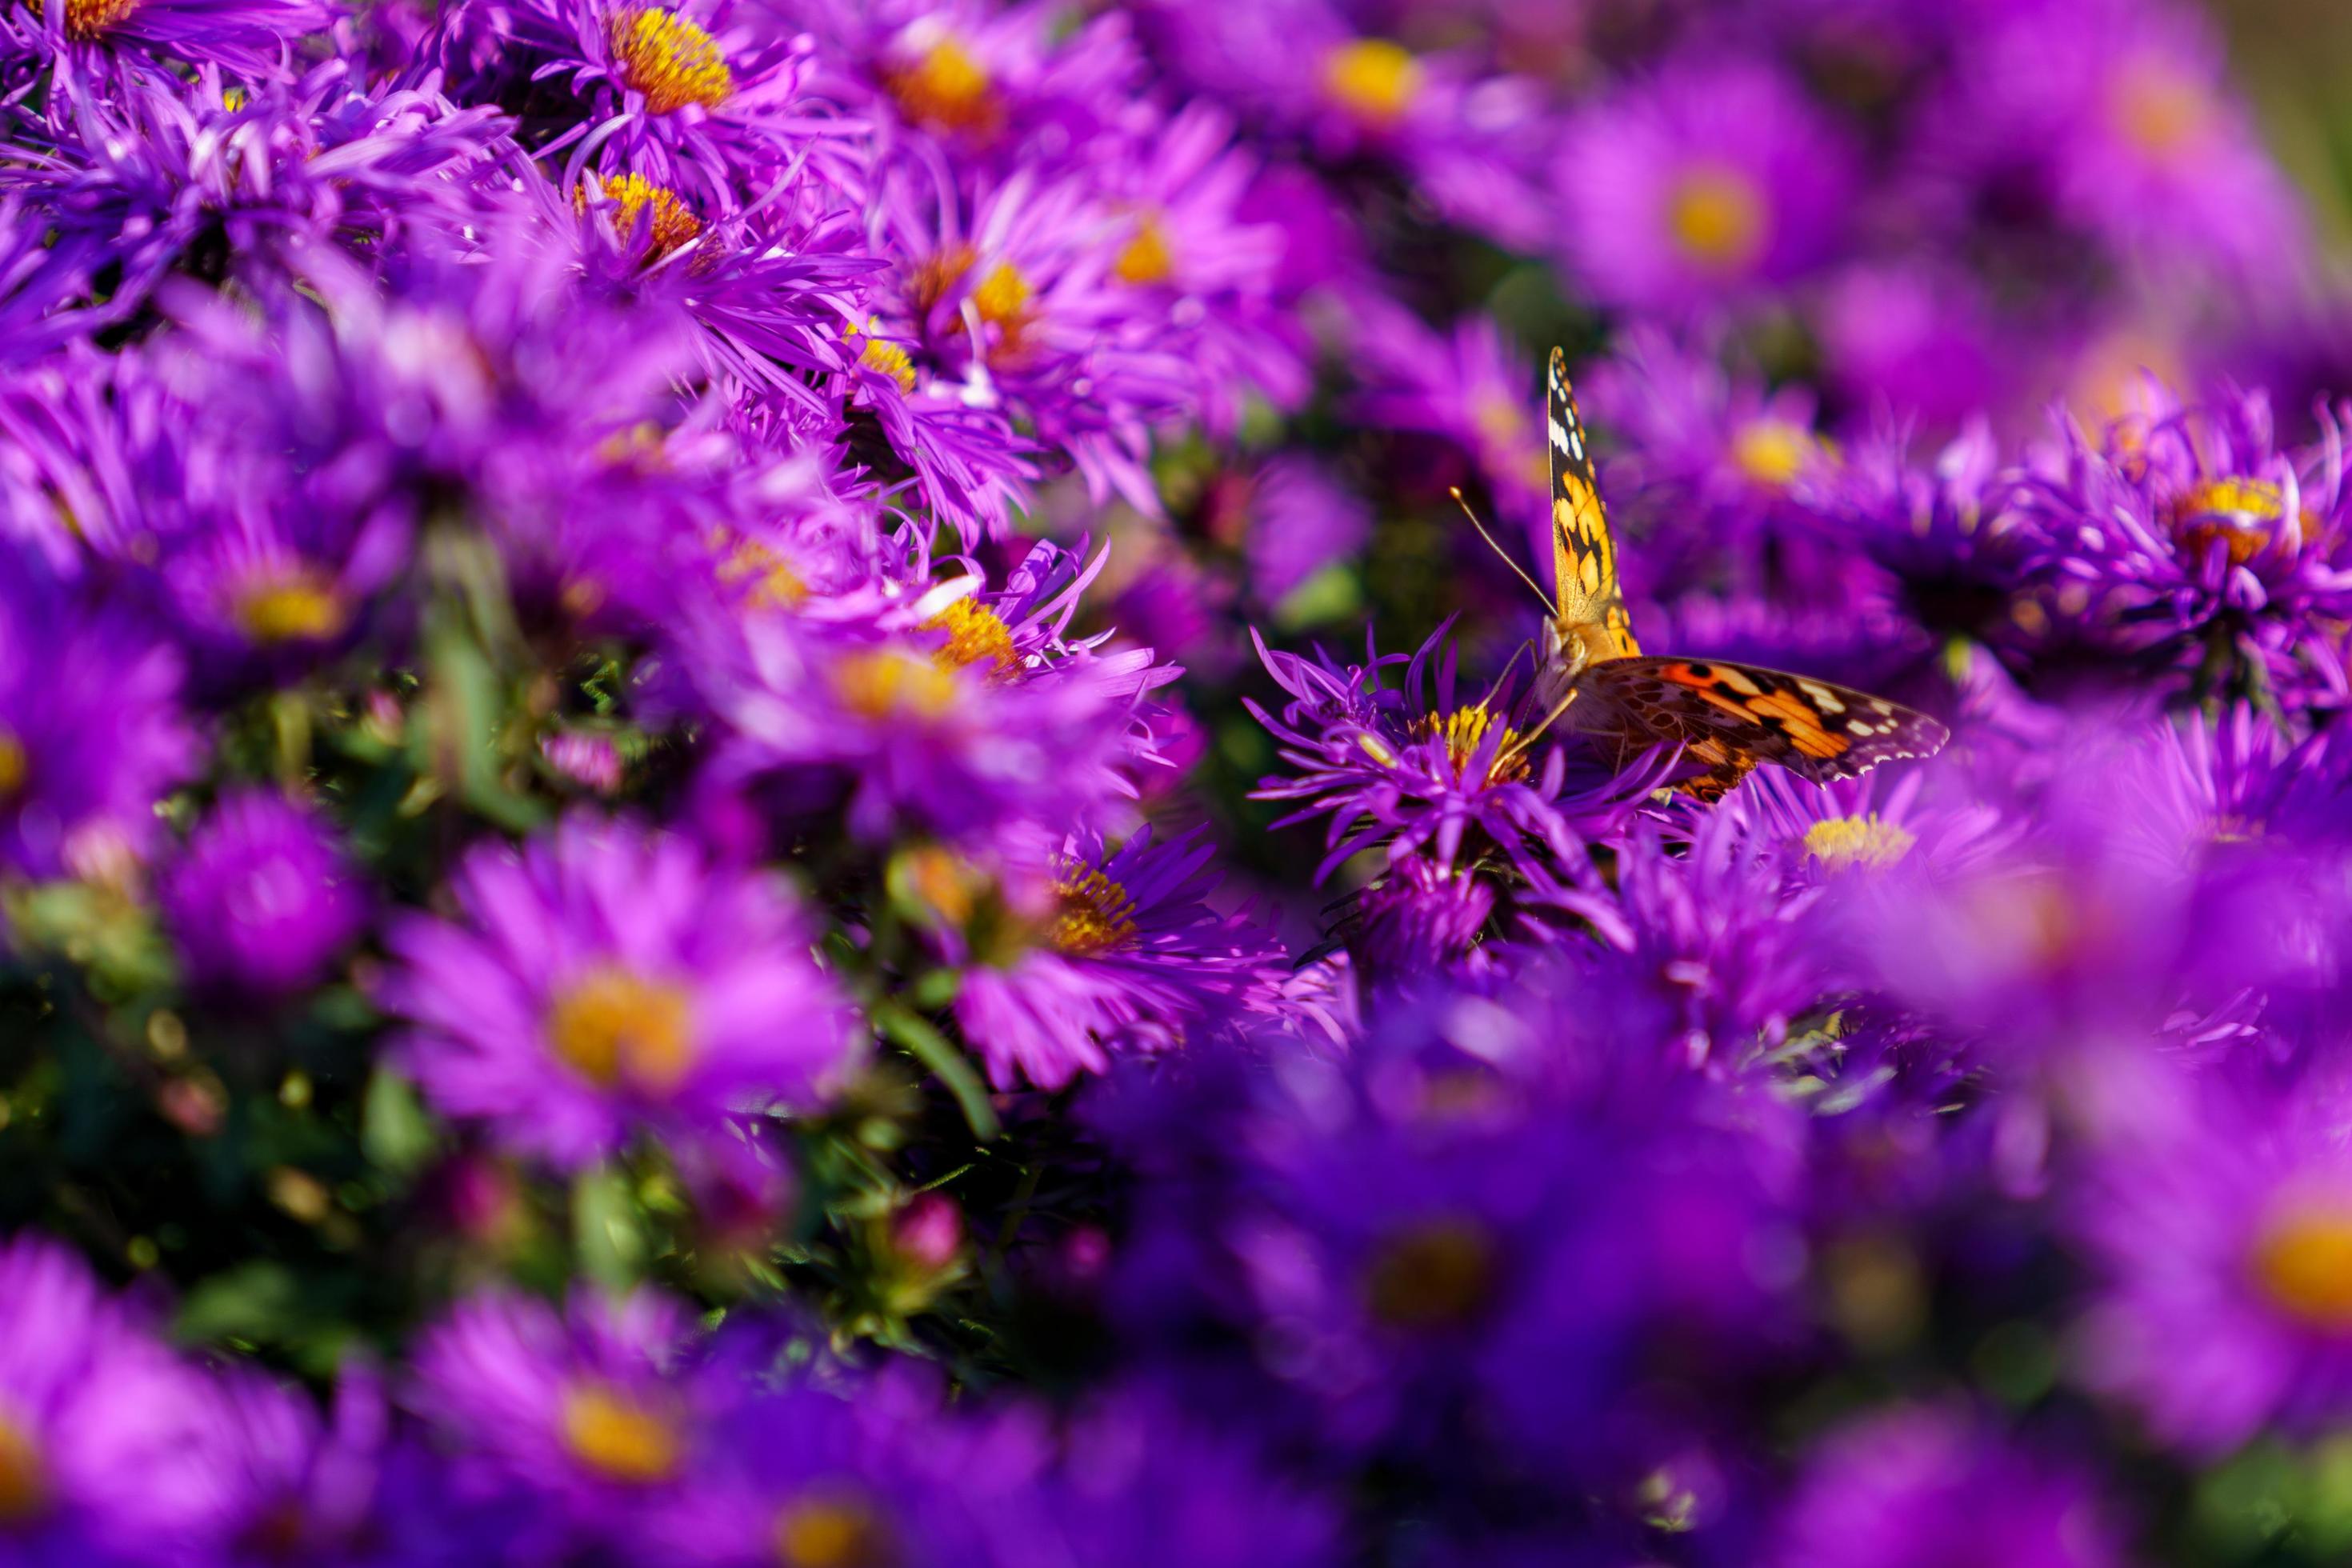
(1733, 716)
(1584, 555)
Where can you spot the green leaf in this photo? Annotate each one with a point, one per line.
(920, 1040)
(607, 1229)
(395, 1131)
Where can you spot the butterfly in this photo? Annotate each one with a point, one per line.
(1727, 716)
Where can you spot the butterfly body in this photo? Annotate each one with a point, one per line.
(1726, 716)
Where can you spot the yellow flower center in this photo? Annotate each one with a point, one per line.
(947, 87)
(2304, 1264)
(1002, 297)
(891, 683)
(1145, 259)
(1771, 452)
(1463, 729)
(1434, 1275)
(88, 20)
(612, 1025)
(935, 275)
(1095, 914)
(1507, 438)
(671, 222)
(974, 632)
(14, 765)
(2159, 108)
(2235, 510)
(768, 579)
(24, 1478)
(1843, 843)
(618, 1437)
(1374, 79)
(890, 360)
(1715, 214)
(831, 1534)
(299, 605)
(671, 60)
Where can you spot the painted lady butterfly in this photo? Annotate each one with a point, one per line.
(1728, 717)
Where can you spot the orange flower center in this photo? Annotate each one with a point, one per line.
(1434, 1275)
(975, 633)
(1772, 452)
(612, 1027)
(1843, 843)
(891, 683)
(1715, 214)
(14, 765)
(1145, 259)
(2159, 108)
(89, 20)
(2303, 1262)
(298, 604)
(1374, 79)
(1095, 914)
(619, 1437)
(947, 87)
(2237, 511)
(818, 1532)
(670, 223)
(671, 60)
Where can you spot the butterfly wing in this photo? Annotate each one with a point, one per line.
(1584, 556)
(1731, 717)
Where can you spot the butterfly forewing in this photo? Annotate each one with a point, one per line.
(1585, 555)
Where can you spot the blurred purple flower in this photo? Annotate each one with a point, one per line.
(606, 979)
(1698, 189)
(91, 732)
(1919, 1487)
(263, 899)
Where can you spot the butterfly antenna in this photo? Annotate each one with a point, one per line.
(1516, 569)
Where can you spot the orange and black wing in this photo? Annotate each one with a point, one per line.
(1732, 716)
(1585, 555)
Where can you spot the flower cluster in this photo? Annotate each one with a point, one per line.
(696, 866)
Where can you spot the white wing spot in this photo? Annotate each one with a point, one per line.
(1880, 705)
(1559, 436)
(1823, 697)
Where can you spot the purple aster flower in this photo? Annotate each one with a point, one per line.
(1132, 958)
(162, 176)
(1922, 341)
(1299, 520)
(2186, 542)
(1392, 765)
(1144, 1482)
(263, 899)
(1700, 188)
(993, 84)
(2122, 111)
(2221, 1229)
(875, 1469)
(1471, 390)
(1920, 1487)
(1011, 296)
(597, 1412)
(608, 978)
(347, 1490)
(248, 37)
(697, 96)
(1942, 529)
(1712, 460)
(108, 1444)
(91, 732)
(954, 708)
(1715, 934)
